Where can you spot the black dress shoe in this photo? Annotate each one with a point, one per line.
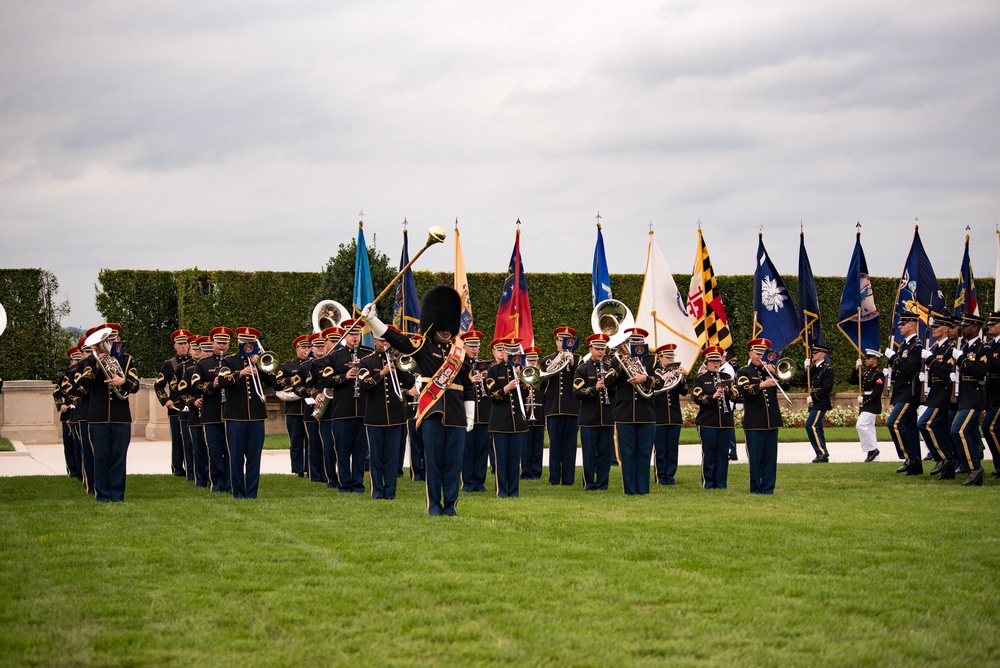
(815, 460)
(947, 474)
(872, 455)
(975, 478)
(942, 465)
(928, 457)
(823, 460)
(915, 469)
(995, 474)
(733, 457)
(904, 467)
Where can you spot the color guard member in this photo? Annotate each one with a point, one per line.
(869, 402)
(934, 424)
(903, 375)
(820, 374)
(991, 420)
(971, 362)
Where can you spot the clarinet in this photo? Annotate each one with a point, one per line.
(222, 391)
(354, 364)
(601, 373)
(723, 404)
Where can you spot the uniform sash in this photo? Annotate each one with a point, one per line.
(442, 379)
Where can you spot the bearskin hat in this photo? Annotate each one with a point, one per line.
(441, 309)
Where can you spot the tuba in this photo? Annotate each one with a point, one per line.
(612, 317)
(328, 313)
(98, 342)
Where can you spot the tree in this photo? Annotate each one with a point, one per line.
(337, 281)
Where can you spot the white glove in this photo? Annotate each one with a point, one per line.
(808, 362)
(470, 415)
(922, 376)
(956, 353)
(861, 401)
(859, 362)
(954, 376)
(925, 353)
(371, 319)
(809, 401)
(887, 372)
(889, 352)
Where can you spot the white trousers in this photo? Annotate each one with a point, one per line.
(866, 432)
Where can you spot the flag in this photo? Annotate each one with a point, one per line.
(704, 302)
(812, 329)
(965, 296)
(858, 301)
(918, 290)
(462, 285)
(514, 314)
(996, 293)
(662, 310)
(406, 309)
(601, 280)
(363, 292)
(774, 314)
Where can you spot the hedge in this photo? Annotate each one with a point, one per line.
(33, 347)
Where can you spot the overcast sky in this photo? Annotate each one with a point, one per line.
(249, 135)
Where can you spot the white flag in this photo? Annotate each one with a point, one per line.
(996, 293)
(663, 310)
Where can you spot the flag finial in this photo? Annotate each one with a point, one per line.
(801, 229)
(518, 223)
(361, 218)
(916, 223)
(598, 220)
(456, 223)
(405, 223)
(699, 223)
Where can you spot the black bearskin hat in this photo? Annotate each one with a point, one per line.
(441, 309)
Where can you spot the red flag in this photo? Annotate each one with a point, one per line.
(514, 314)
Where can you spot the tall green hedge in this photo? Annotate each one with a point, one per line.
(33, 346)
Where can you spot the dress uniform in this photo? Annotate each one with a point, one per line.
(63, 396)
(534, 441)
(597, 413)
(872, 384)
(293, 406)
(417, 465)
(635, 414)
(306, 388)
(81, 429)
(385, 415)
(445, 419)
(934, 424)
(820, 375)
(508, 423)
(200, 348)
(562, 410)
(669, 419)
(991, 419)
(903, 373)
(109, 417)
(971, 363)
(477, 441)
(165, 389)
(210, 400)
(348, 408)
(712, 392)
(761, 418)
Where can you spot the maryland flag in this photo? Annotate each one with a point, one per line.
(704, 302)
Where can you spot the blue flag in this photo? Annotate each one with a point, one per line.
(406, 308)
(858, 317)
(363, 292)
(774, 314)
(812, 329)
(601, 287)
(965, 296)
(918, 290)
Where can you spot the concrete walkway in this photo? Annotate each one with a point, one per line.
(153, 457)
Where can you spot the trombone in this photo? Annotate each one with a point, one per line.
(784, 368)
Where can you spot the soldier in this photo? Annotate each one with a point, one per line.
(971, 362)
(934, 423)
(534, 440)
(417, 465)
(63, 396)
(902, 373)
(669, 418)
(820, 375)
(712, 393)
(562, 409)
(869, 402)
(597, 421)
(81, 397)
(756, 385)
(347, 407)
(209, 399)
(991, 423)
(293, 405)
(309, 391)
(199, 347)
(477, 441)
(508, 424)
(165, 388)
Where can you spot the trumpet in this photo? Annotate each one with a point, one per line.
(98, 342)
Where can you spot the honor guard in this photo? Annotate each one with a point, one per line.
(508, 423)
(819, 374)
(597, 413)
(199, 347)
(165, 387)
(934, 424)
(306, 387)
(478, 441)
(713, 393)
(757, 387)
(635, 414)
(971, 363)
(63, 396)
(209, 399)
(902, 375)
(292, 404)
(562, 408)
(385, 414)
(348, 409)
(991, 423)
(447, 402)
(872, 385)
(669, 417)
(534, 441)
(110, 378)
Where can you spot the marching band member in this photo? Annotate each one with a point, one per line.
(635, 414)
(991, 420)
(165, 388)
(209, 399)
(534, 440)
(306, 388)
(597, 419)
(199, 347)
(669, 420)
(971, 362)
(902, 372)
(81, 397)
(477, 441)
(447, 401)
(347, 407)
(934, 424)
(757, 387)
(63, 395)
(508, 425)
(562, 411)
(869, 402)
(417, 462)
(294, 411)
(820, 374)
(713, 392)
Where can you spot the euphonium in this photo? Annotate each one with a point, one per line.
(533, 376)
(98, 342)
(672, 375)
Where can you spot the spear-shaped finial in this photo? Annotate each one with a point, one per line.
(599, 220)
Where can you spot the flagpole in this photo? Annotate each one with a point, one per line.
(860, 388)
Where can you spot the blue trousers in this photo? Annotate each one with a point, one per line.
(597, 444)
(762, 453)
(507, 455)
(71, 452)
(814, 429)
(176, 447)
(314, 445)
(296, 443)
(531, 453)
(991, 424)
(384, 444)
(188, 444)
(246, 443)
(562, 448)
(635, 448)
(329, 440)
(352, 448)
(715, 457)
(665, 445)
(86, 456)
(965, 436)
(902, 423)
(443, 448)
(110, 443)
(199, 454)
(417, 458)
(934, 425)
(403, 436)
(474, 458)
(218, 457)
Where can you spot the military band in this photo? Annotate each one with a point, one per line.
(562, 408)
(713, 393)
(669, 417)
(597, 413)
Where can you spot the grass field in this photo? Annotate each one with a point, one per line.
(847, 564)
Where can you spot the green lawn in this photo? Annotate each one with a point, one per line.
(847, 565)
